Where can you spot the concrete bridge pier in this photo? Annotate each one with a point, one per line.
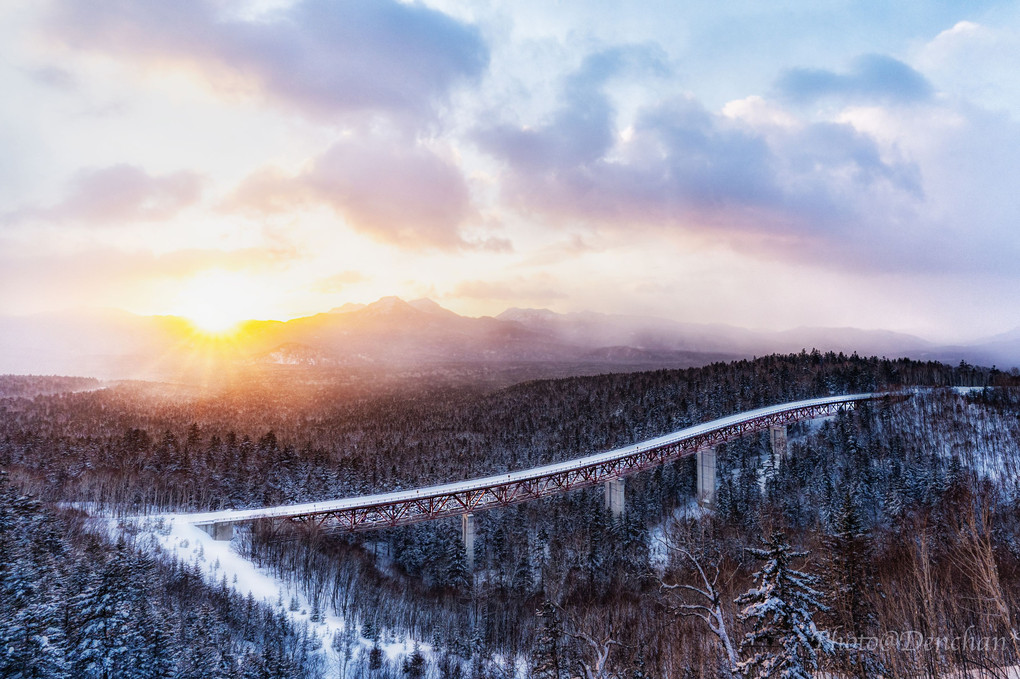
(615, 497)
(706, 477)
(777, 436)
(467, 532)
(224, 532)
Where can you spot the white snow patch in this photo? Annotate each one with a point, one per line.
(968, 390)
(658, 549)
(175, 536)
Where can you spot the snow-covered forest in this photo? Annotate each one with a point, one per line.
(895, 524)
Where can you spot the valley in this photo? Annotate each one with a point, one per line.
(920, 468)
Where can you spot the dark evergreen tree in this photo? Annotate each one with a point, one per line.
(375, 657)
(849, 577)
(457, 574)
(369, 630)
(415, 664)
(783, 640)
(102, 617)
(548, 660)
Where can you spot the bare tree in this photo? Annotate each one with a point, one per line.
(928, 597)
(601, 647)
(976, 558)
(706, 604)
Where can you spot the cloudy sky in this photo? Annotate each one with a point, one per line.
(765, 164)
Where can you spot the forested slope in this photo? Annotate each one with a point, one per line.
(928, 486)
(76, 605)
(140, 445)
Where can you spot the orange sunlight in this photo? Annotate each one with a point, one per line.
(216, 302)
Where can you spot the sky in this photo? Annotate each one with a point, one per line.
(768, 165)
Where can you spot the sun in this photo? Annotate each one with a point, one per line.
(217, 301)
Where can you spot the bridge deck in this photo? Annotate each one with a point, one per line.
(409, 506)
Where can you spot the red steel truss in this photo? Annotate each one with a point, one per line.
(437, 502)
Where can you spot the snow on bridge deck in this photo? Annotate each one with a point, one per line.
(450, 499)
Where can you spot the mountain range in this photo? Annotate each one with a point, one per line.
(393, 334)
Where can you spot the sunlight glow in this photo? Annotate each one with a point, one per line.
(217, 301)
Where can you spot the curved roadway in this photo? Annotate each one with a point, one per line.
(679, 443)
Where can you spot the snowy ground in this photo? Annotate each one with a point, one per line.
(175, 536)
(658, 549)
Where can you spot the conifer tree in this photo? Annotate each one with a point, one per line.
(457, 574)
(547, 660)
(32, 642)
(102, 616)
(783, 640)
(375, 657)
(848, 578)
(369, 630)
(414, 664)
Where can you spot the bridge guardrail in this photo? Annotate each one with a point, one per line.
(451, 499)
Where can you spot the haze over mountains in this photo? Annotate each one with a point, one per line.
(393, 333)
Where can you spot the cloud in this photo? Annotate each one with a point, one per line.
(869, 186)
(395, 192)
(845, 159)
(873, 78)
(581, 130)
(975, 62)
(84, 276)
(575, 164)
(115, 195)
(967, 220)
(759, 112)
(324, 57)
(267, 191)
(686, 169)
(338, 282)
(53, 76)
(539, 289)
(877, 187)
